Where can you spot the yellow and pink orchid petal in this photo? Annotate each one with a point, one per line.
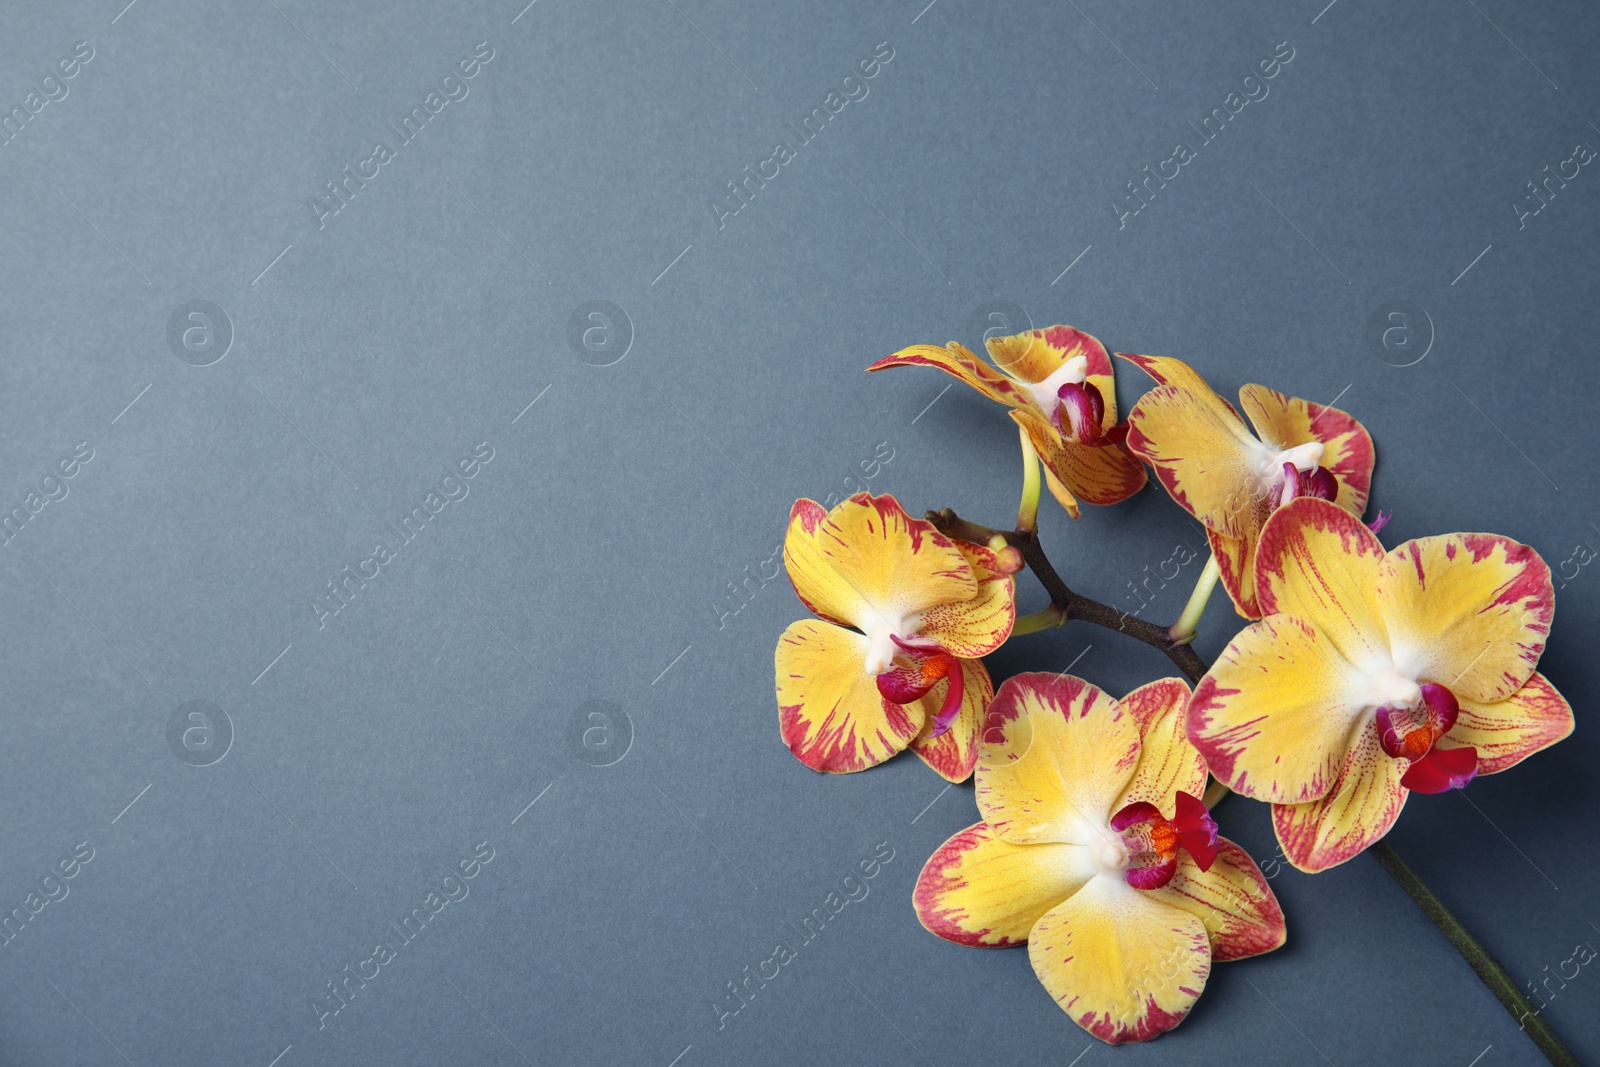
(954, 753)
(869, 565)
(981, 623)
(830, 713)
(1034, 355)
(1100, 474)
(1275, 713)
(1282, 422)
(1124, 964)
(1062, 494)
(980, 890)
(1232, 899)
(1169, 370)
(1360, 809)
(1203, 454)
(960, 363)
(1055, 755)
(1320, 563)
(1168, 760)
(1509, 731)
(1469, 611)
(1236, 567)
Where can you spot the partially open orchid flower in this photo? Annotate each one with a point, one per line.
(893, 661)
(1376, 674)
(1231, 480)
(1058, 383)
(1094, 851)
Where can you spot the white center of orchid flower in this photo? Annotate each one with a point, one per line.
(1393, 689)
(1074, 371)
(1110, 854)
(881, 648)
(1306, 457)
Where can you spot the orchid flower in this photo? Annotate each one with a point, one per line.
(1058, 383)
(893, 659)
(1374, 675)
(1094, 851)
(1232, 480)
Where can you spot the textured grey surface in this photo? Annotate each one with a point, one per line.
(373, 349)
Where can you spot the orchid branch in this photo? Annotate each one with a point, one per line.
(1072, 605)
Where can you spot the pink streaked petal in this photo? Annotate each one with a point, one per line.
(959, 363)
(1124, 964)
(1469, 610)
(1234, 901)
(1168, 760)
(1509, 731)
(830, 713)
(1360, 809)
(984, 892)
(953, 753)
(1318, 562)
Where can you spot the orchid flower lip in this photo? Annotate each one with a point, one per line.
(1074, 370)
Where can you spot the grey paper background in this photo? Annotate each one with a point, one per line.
(593, 556)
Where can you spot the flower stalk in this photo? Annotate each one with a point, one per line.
(1073, 605)
(1183, 631)
(1028, 508)
(1478, 958)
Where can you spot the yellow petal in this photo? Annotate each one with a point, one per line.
(1236, 566)
(1063, 496)
(1099, 474)
(1275, 714)
(981, 891)
(1469, 611)
(1055, 755)
(980, 624)
(1168, 370)
(1203, 455)
(1283, 422)
(1320, 563)
(868, 564)
(1240, 912)
(1359, 810)
(1168, 760)
(960, 363)
(1125, 965)
(954, 753)
(1509, 731)
(830, 713)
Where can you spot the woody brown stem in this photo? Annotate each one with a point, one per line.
(1074, 606)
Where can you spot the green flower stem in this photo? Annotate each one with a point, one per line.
(1478, 958)
(1074, 606)
(1188, 623)
(1044, 619)
(1028, 509)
